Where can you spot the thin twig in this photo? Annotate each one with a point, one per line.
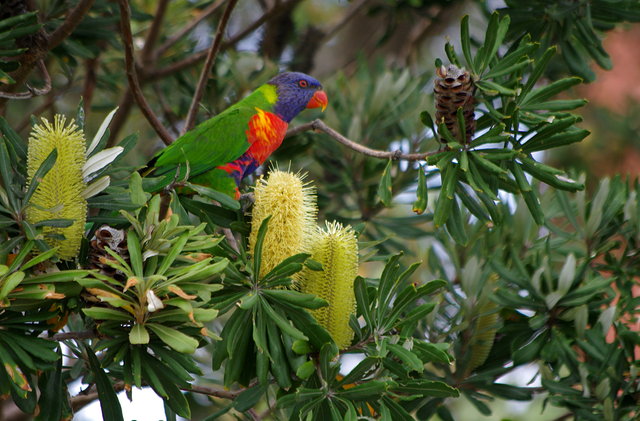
(63, 336)
(31, 91)
(188, 28)
(204, 75)
(351, 13)
(90, 81)
(231, 239)
(564, 417)
(195, 58)
(127, 38)
(72, 20)
(395, 155)
(154, 32)
(218, 393)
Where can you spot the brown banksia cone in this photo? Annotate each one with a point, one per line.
(453, 89)
(116, 240)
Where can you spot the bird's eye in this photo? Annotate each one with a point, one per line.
(303, 83)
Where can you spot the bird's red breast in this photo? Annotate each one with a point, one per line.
(265, 134)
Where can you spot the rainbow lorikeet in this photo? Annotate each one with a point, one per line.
(223, 150)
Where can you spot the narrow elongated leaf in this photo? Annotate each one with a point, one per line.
(174, 338)
(537, 72)
(109, 403)
(44, 168)
(283, 323)
(465, 41)
(101, 131)
(384, 188)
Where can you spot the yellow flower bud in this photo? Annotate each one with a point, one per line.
(59, 194)
(336, 248)
(291, 203)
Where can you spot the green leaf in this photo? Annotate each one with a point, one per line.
(550, 90)
(451, 54)
(465, 41)
(224, 199)
(531, 350)
(537, 72)
(485, 164)
(426, 388)
(306, 370)
(455, 224)
(257, 250)
(295, 298)
(384, 188)
(138, 196)
(548, 175)
(431, 352)
(138, 335)
(280, 366)
(500, 69)
(44, 168)
(422, 196)
(496, 31)
(249, 398)
(556, 105)
(109, 403)
(173, 253)
(410, 360)
(371, 390)
(557, 140)
(135, 253)
(445, 198)
(174, 338)
(10, 282)
(427, 120)
(533, 203)
(21, 19)
(283, 323)
(51, 393)
(106, 314)
(493, 88)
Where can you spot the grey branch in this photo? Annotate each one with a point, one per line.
(206, 70)
(319, 125)
(31, 91)
(132, 76)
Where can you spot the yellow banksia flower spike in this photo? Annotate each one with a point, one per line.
(291, 203)
(336, 248)
(59, 194)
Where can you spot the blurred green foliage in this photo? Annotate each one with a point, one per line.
(520, 266)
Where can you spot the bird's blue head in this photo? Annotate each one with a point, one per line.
(297, 91)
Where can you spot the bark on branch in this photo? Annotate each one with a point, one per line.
(208, 63)
(132, 76)
(319, 125)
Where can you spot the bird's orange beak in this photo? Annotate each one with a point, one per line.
(319, 99)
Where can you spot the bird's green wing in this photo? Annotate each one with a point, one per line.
(215, 142)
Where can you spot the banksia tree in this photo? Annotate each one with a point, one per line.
(454, 89)
(291, 203)
(336, 248)
(59, 194)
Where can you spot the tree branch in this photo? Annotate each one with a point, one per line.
(210, 391)
(147, 51)
(62, 336)
(127, 39)
(195, 58)
(351, 13)
(31, 91)
(204, 75)
(73, 19)
(188, 28)
(395, 155)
